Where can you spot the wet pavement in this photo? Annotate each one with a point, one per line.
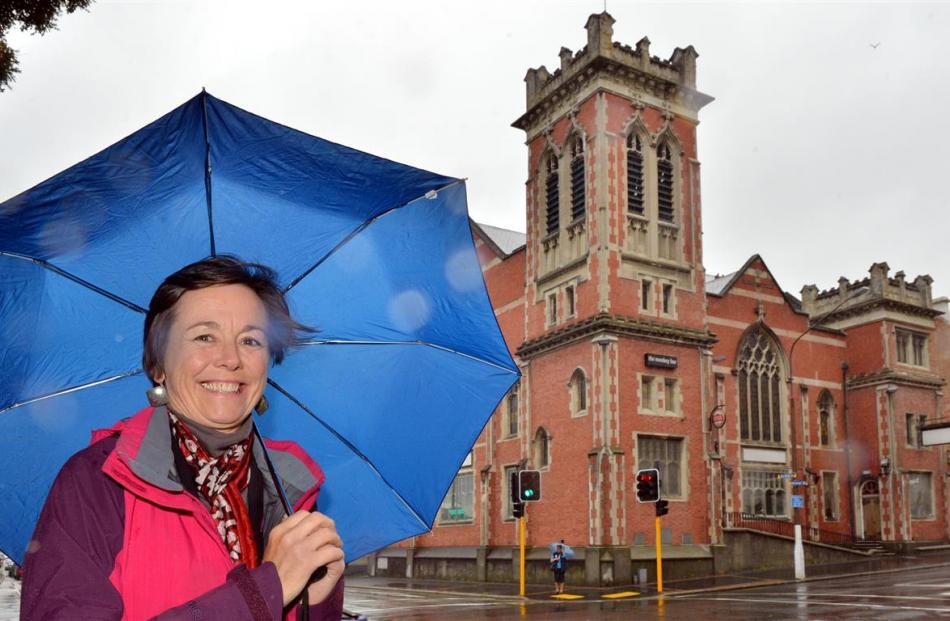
(898, 588)
(9, 599)
(714, 583)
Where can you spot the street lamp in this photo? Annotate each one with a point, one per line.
(799, 552)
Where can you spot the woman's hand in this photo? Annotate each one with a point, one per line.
(300, 545)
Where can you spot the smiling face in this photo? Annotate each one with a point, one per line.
(216, 356)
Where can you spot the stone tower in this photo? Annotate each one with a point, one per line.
(614, 284)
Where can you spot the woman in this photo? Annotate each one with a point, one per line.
(173, 513)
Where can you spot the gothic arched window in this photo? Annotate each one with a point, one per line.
(635, 203)
(578, 181)
(512, 413)
(760, 375)
(826, 414)
(542, 448)
(551, 196)
(578, 386)
(664, 180)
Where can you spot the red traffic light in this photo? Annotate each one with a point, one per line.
(648, 485)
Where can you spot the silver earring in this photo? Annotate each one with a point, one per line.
(157, 396)
(261, 406)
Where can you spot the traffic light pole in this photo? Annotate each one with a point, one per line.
(521, 537)
(659, 558)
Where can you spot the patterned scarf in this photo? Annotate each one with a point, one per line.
(220, 480)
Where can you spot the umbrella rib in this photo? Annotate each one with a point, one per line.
(65, 391)
(359, 230)
(204, 118)
(417, 342)
(76, 279)
(349, 445)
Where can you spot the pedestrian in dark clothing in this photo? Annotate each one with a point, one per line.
(558, 566)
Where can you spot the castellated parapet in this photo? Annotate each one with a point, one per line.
(876, 291)
(669, 84)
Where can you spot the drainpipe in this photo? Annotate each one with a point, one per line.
(847, 446)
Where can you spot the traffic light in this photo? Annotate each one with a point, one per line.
(517, 509)
(648, 485)
(529, 486)
(513, 487)
(662, 508)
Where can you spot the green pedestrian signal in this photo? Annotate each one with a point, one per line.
(529, 486)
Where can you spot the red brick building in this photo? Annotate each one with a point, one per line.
(629, 353)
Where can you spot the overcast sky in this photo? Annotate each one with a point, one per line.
(826, 149)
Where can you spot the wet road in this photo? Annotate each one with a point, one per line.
(916, 594)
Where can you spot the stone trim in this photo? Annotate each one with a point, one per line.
(619, 326)
(893, 305)
(889, 375)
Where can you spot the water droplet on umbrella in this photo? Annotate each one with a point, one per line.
(409, 310)
(463, 271)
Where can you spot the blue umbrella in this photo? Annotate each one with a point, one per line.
(389, 397)
(568, 550)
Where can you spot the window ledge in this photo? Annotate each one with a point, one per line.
(456, 523)
(663, 414)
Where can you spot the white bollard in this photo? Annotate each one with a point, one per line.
(799, 554)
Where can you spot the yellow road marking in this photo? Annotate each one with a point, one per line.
(620, 595)
(567, 596)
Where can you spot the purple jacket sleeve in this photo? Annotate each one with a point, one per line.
(72, 553)
(80, 532)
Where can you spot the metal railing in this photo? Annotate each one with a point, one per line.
(785, 528)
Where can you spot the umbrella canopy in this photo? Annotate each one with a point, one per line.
(568, 550)
(389, 397)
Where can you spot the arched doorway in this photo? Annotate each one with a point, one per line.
(870, 510)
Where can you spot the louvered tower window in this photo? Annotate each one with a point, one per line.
(551, 196)
(578, 193)
(664, 173)
(634, 174)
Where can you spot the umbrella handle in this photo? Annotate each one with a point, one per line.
(304, 611)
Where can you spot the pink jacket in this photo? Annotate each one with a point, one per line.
(119, 538)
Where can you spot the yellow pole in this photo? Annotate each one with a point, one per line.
(659, 558)
(521, 528)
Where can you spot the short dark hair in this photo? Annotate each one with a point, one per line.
(282, 330)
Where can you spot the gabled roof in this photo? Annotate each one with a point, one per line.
(505, 242)
(720, 285)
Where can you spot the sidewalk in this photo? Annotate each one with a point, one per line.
(544, 592)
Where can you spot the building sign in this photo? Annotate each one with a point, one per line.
(764, 455)
(660, 361)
